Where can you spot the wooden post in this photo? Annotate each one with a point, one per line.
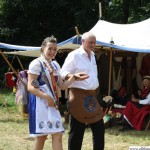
(110, 66)
(11, 62)
(20, 63)
(110, 71)
(77, 31)
(100, 10)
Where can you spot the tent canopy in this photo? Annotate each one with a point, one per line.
(68, 44)
(129, 37)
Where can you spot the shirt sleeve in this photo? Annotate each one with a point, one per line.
(145, 101)
(68, 66)
(35, 67)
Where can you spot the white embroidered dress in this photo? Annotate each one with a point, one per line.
(43, 120)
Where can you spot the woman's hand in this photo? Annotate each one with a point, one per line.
(50, 101)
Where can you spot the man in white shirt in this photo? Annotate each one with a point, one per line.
(83, 105)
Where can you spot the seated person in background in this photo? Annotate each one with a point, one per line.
(137, 109)
(119, 96)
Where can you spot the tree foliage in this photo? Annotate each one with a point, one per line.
(25, 22)
(29, 22)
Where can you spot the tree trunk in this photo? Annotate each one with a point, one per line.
(126, 8)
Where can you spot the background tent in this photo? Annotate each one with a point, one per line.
(129, 37)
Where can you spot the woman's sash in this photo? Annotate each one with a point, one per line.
(49, 80)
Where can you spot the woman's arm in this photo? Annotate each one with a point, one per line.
(70, 78)
(34, 90)
(143, 102)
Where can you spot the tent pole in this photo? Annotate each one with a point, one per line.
(110, 71)
(77, 31)
(4, 103)
(11, 62)
(12, 68)
(20, 63)
(100, 10)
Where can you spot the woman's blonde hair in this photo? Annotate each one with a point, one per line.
(51, 39)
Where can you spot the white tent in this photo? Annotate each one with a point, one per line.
(129, 37)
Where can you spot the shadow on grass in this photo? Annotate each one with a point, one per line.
(16, 120)
(132, 133)
(29, 139)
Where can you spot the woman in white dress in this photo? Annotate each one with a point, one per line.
(43, 83)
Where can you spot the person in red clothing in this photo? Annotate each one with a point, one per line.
(137, 109)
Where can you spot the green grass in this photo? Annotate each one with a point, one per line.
(14, 132)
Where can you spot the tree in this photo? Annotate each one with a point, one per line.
(25, 22)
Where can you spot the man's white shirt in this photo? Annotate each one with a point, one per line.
(78, 61)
